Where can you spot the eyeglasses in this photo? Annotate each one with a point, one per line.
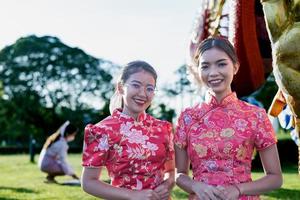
(149, 89)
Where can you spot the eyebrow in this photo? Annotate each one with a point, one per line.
(136, 81)
(220, 60)
(139, 82)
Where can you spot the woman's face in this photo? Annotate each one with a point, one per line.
(71, 137)
(216, 70)
(138, 92)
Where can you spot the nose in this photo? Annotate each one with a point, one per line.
(213, 71)
(143, 91)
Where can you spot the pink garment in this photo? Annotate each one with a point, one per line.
(54, 158)
(133, 152)
(220, 139)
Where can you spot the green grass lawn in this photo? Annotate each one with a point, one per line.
(21, 179)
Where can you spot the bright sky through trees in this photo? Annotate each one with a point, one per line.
(152, 30)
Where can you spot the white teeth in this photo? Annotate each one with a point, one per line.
(215, 81)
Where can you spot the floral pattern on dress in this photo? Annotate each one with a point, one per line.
(134, 153)
(220, 139)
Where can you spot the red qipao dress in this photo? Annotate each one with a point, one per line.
(220, 139)
(134, 153)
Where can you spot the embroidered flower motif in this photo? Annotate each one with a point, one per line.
(152, 147)
(227, 148)
(103, 143)
(126, 178)
(136, 136)
(139, 185)
(241, 124)
(211, 165)
(201, 150)
(227, 132)
(137, 148)
(209, 134)
(118, 148)
(136, 153)
(220, 119)
(187, 119)
(253, 123)
(125, 128)
(241, 153)
(91, 137)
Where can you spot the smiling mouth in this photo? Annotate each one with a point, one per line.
(215, 82)
(139, 101)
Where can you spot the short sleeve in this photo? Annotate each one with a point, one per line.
(95, 147)
(180, 138)
(265, 135)
(170, 147)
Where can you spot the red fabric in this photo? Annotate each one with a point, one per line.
(220, 139)
(133, 152)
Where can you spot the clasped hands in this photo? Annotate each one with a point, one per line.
(161, 192)
(203, 191)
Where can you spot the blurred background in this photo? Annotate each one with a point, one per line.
(59, 60)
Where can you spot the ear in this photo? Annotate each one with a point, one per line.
(120, 88)
(236, 68)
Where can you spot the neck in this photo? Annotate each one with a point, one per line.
(220, 96)
(133, 115)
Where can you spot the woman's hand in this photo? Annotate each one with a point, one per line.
(231, 192)
(204, 191)
(164, 189)
(144, 195)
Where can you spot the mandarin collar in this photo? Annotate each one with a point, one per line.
(118, 114)
(229, 99)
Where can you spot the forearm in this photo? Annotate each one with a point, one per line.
(103, 190)
(262, 185)
(185, 182)
(273, 178)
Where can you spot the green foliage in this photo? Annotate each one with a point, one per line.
(45, 82)
(59, 74)
(162, 112)
(182, 84)
(1, 89)
(266, 92)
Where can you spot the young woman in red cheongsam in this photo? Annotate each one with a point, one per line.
(136, 148)
(219, 136)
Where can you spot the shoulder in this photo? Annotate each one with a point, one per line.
(253, 110)
(106, 125)
(247, 106)
(192, 109)
(188, 115)
(61, 143)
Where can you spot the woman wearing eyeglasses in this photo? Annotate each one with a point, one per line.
(136, 148)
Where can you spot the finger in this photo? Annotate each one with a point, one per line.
(201, 195)
(209, 192)
(165, 196)
(156, 195)
(159, 188)
(220, 192)
(150, 195)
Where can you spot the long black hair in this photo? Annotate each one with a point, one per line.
(68, 130)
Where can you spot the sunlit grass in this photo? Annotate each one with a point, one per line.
(22, 180)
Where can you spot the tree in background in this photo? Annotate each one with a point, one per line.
(182, 88)
(45, 82)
